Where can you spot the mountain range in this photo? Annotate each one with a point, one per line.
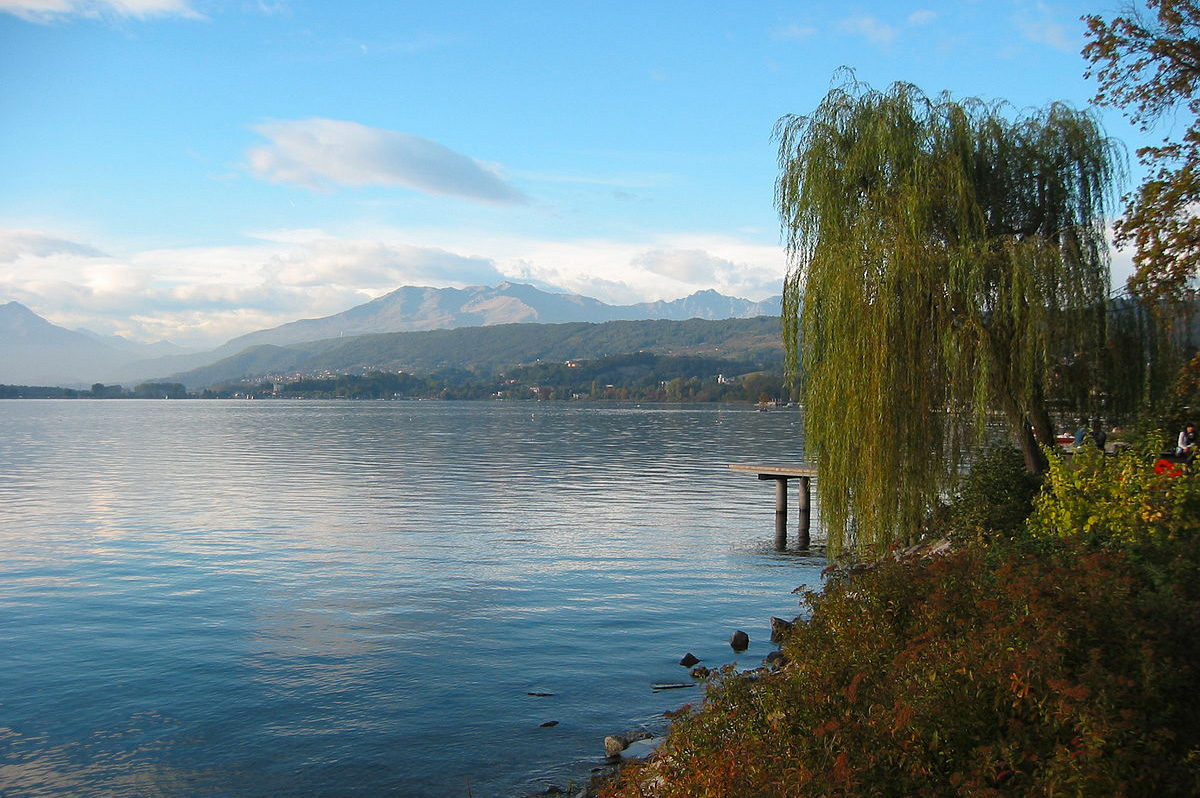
(411, 309)
(33, 351)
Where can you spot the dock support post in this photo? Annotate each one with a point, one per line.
(805, 512)
(781, 489)
(781, 474)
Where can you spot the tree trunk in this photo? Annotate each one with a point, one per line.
(1035, 458)
(1043, 427)
(1023, 434)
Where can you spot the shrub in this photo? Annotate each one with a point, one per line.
(1064, 671)
(1125, 500)
(995, 498)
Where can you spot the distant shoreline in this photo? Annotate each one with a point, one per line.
(72, 394)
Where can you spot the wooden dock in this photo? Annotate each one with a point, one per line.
(782, 474)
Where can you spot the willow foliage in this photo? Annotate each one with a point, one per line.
(942, 257)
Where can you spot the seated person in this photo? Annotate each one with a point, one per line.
(1081, 433)
(1186, 445)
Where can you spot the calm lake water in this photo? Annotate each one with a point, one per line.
(340, 598)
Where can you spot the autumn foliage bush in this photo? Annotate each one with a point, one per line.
(1065, 664)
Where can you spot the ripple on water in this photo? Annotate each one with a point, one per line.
(264, 598)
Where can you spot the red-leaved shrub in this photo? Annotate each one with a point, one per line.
(1059, 670)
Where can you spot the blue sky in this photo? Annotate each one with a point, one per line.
(196, 169)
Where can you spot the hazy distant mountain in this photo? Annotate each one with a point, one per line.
(35, 352)
(412, 308)
(709, 304)
(135, 348)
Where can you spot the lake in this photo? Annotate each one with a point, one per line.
(251, 599)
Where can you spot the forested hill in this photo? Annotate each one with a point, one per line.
(489, 349)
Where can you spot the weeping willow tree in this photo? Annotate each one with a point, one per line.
(943, 258)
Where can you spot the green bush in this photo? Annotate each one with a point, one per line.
(994, 500)
(1126, 500)
(1061, 671)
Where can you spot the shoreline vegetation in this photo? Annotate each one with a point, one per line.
(640, 377)
(1048, 643)
(1044, 640)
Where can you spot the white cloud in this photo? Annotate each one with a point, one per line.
(16, 243)
(1041, 26)
(870, 27)
(621, 272)
(878, 31)
(921, 17)
(203, 296)
(272, 8)
(377, 266)
(320, 153)
(50, 10)
(687, 266)
(793, 32)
